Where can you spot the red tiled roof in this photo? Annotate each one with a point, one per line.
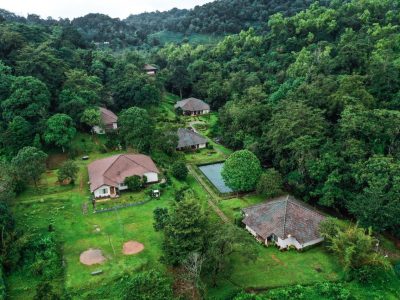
(284, 216)
(113, 170)
(107, 116)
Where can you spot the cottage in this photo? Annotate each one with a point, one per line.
(107, 175)
(109, 121)
(285, 222)
(150, 69)
(193, 107)
(188, 139)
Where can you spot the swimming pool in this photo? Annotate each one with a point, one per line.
(213, 173)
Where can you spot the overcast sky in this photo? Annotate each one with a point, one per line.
(76, 8)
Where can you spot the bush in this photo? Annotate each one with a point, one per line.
(149, 285)
(270, 183)
(397, 269)
(135, 183)
(179, 170)
(68, 171)
(2, 285)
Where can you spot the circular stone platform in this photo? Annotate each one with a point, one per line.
(132, 247)
(92, 257)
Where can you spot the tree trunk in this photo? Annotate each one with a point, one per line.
(180, 93)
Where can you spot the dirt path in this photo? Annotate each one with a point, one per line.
(213, 197)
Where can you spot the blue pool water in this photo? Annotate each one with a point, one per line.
(213, 173)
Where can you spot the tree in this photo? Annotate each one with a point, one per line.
(7, 182)
(225, 241)
(60, 130)
(167, 140)
(68, 171)
(354, 246)
(79, 93)
(270, 183)
(184, 232)
(241, 171)
(136, 128)
(29, 99)
(19, 134)
(377, 204)
(179, 170)
(29, 164)
(149, 285)
(135, 183)
(91, 117)
(160, 216)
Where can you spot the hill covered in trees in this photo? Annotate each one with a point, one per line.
(317, 98)
(217, 17)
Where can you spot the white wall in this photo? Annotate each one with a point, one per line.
(115, 125)
(313, 242)
(99, 192)
(151, 177)
(290, 241)
(98, 130)
(202, 146)
(205, 112)
(251, 230)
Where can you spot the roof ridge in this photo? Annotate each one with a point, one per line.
(284, 216)
(116, 158)
(305, 206)
(277, 199)
(136, 161)
(107, 112)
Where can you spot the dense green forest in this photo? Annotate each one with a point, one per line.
(316, 98)
(313, 91)
(218, 17)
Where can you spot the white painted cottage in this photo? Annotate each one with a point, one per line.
(109, 121)
(285, 222)
(107, 175)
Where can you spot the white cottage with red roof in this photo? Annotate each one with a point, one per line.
(109, 121)
(107, 175)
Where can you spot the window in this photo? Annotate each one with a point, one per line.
(104, 191)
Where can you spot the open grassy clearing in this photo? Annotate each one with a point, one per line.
(62, 207)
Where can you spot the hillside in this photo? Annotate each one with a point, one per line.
(218, 17)
(303, 109)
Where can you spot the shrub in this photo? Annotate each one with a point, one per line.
(270, 183)
(2, 285)
(149, 285)
(397, 269)
(134, 183)
(179, 170)
(68, 171)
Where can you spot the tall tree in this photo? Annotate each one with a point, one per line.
(29, 164)
(60, 130)
(184, 231)
(241, 171)
(136, 128)
(29, 99)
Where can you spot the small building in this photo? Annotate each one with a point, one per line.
(150, 69)
(107, 175)
(188, 139)
(193, 107)
(285, 222)
(109, 121)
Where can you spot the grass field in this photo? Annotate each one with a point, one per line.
(62, 207)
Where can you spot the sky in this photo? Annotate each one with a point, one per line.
(77, 8)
